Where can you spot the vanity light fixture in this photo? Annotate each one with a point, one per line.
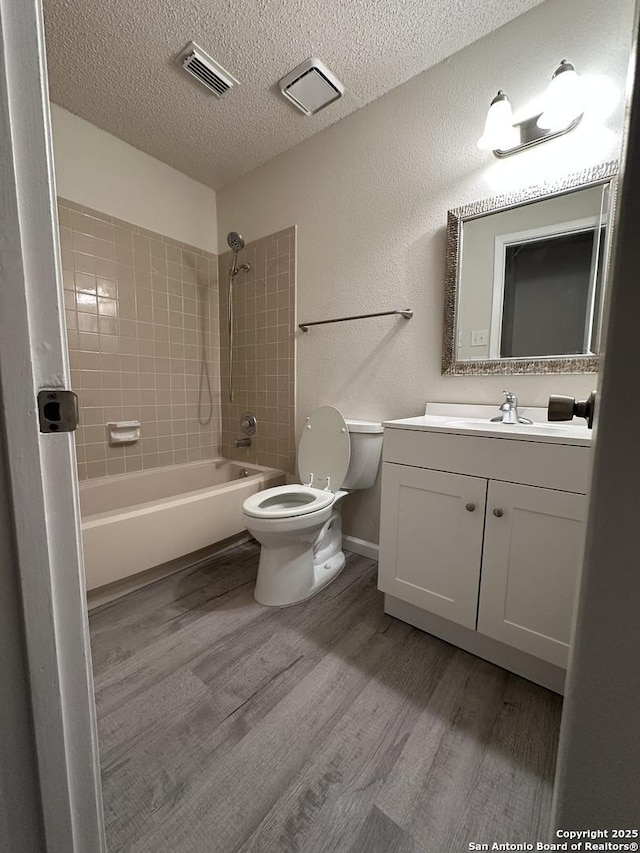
(563, 110)
(499, 132)
(564, 101)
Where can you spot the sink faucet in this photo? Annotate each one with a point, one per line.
(509, 411)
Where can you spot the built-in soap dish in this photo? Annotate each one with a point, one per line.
(123, 432)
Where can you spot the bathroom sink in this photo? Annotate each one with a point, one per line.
(477, 423)
(463, 419)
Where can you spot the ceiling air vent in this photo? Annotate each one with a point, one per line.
(311, 86)
(205, 69)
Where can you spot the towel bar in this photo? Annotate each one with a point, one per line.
(407, 313)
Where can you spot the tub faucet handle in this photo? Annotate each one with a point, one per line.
(248, 423)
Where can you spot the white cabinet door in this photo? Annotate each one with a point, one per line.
(530, 568)
(431, 540)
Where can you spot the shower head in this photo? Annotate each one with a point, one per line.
(235, 241)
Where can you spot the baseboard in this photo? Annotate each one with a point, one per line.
(111, 592)
(360, 546)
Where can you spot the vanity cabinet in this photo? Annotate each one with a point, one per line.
(486, 534)
(432, 526)
(530, 563)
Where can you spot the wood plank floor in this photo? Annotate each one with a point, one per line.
(327, 726)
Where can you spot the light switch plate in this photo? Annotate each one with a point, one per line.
(479, 337)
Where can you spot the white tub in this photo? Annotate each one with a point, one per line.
(135, 522)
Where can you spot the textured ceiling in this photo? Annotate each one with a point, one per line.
(112, 63)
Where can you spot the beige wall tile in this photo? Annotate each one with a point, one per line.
(142, 312)
(93, 469)
(121, 332)
(264, 365)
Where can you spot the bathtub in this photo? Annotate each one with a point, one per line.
(135, 522)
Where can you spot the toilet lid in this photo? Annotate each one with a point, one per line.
(324, 450)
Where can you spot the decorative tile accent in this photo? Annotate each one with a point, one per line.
(142, 326)
(263, 351)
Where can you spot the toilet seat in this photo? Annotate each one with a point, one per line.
(323, 459)
(287, 502)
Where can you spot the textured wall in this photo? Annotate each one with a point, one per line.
(263, 350)
(370, 194)
(142, 326)
(96, 169)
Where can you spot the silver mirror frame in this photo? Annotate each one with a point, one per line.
(451, 366)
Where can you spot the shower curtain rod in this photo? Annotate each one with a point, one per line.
(407, 313)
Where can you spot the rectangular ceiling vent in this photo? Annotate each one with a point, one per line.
(205, 69)
(311, 86)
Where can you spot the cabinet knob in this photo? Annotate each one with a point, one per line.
(498, 512)
(470, 507)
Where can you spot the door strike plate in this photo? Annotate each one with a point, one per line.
(58, 410)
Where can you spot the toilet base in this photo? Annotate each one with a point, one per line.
(290, 572)
(267, 593)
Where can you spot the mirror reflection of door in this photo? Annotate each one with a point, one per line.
(551, 294)
(530, 278)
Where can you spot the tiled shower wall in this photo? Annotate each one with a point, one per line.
(142, 323)
(263, 350)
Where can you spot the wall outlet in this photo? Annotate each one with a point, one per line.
(479, 337)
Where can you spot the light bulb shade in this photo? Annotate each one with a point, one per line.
(499, 132)
(564, 100)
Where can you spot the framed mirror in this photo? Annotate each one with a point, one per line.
(525, 278)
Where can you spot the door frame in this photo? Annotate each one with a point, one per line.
(42, 479)
(596, 785)
(597, 771)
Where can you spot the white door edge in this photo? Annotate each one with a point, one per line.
(42, 469)
(596, 784)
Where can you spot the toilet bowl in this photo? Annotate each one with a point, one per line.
(299, 526)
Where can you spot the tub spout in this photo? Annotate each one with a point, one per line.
(242, 442)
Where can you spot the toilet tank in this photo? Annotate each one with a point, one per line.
(366, 451)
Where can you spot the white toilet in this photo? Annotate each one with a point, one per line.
(299, 527)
